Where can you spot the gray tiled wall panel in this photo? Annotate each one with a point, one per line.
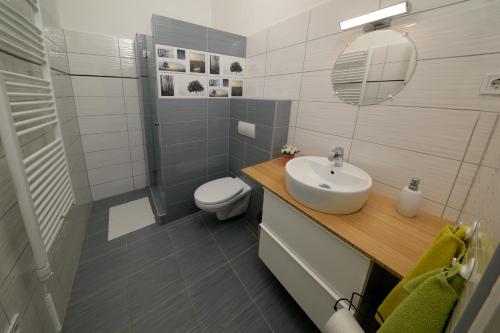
(184, 162)
(226, 43)
(261, 112)
(218, 128)
(181, 132)
(254, 155)
(216, 164)
(218, 108)
(173, 110)
(218, 146)
(179, 33)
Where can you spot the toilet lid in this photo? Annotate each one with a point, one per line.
(218, 191)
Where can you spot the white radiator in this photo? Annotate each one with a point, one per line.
(28, 109)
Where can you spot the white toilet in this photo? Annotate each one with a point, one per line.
(227, 197)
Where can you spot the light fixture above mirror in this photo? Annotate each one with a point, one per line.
(377, 18)
(374, 67)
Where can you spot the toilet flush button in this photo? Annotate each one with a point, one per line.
(246, 129)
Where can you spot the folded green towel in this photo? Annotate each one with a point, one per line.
(447, 245)
(430, 302)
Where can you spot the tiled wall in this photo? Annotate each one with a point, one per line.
(20, 290)
(436, 128)
(194, 139)
(271, 119)
(104, 78)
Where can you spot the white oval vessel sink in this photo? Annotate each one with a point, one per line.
(317, 184)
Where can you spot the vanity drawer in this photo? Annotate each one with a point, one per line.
(307, 290)
(339, 266)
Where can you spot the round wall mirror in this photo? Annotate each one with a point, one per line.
(374, 67)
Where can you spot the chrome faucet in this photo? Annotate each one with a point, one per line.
(337, 157)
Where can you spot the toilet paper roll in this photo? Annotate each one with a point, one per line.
(246, 129)
(342, 321)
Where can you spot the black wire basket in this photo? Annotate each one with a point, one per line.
(364, 311)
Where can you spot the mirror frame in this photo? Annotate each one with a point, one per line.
(390, 96)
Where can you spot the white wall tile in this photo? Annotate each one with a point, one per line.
(451, 214)
(135, 137)
(130, 88)
(139, 182)
(86, 106)
(282, 87)
(459, 27)
(462, 185)
(97, 142)
(83, 42)
(323, 52)
(395, 167)
(254, 88)
(440, 132)
(450, 83)
(256, 66)
(98, 159)
(102, 124)
(317, 86)
(286, 60)
(492, 155)
(393, 192)
(138, 168)
(293, 113)
(109, 173)
(291, 136)
(134, 121)
(420, 5)
(127, 47)
(325, 19)
(137, 153)
(106, 190)
(257, 43)
(484, 194)
(132, 105)
(86, 64)
(289, 32)
(97, 86)
(319, 144)
(128, 67)
(331, 118)
(480, 137)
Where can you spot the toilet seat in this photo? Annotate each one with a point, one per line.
(218, 191)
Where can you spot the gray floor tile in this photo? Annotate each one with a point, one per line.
(188, 233)
(97, 223)
(281, 311)
(175, 278)
(249, 321)
(146, 250)
(174, 315)
(218, 298)
(252, 272)
(99, 273)
(103, 205)
(150, 230)
(235, 239)
(97, 245)
(214, 225)
(136, 195)
(199, 259)
(102, 312)
(153, 286)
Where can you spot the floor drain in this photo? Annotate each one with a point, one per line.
(324, 186)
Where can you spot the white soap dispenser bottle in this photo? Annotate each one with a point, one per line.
(410, 199)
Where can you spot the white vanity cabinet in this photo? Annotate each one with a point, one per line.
(315, 267)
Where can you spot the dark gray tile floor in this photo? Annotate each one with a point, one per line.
(196, 274)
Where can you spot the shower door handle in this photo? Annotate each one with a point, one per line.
(156, 124)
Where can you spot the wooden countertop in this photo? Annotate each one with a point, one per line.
(377, 230)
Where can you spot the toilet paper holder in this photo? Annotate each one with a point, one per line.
(358, 314)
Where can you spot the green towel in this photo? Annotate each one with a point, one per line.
(431, 299)
(447, 245)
